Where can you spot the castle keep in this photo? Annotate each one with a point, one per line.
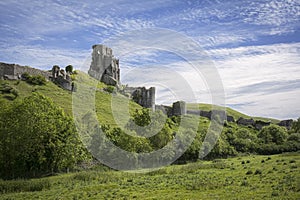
(104, 66)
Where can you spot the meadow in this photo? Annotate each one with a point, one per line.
(243, 177)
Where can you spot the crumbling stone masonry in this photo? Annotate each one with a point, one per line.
(14, 71)
(104, 66)
(286, 123)
(62, 78)
(56, 75)
(179, 108)
(141, 95)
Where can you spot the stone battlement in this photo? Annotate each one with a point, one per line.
(14, 71)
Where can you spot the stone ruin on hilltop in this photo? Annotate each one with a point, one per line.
(105, 67)
(56, 75)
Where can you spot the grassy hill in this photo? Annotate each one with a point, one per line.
(246, 177)
(236, 114)
(103, 100)
(63, 98)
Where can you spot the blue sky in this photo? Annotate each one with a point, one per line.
(254, 44)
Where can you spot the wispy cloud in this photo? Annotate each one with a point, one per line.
(40, 57)
(254, 44)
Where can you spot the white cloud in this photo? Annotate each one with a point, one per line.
(42, 58)
(32, 34)
(258, 66)
(274, 12)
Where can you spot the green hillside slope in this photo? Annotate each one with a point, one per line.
(236, 114)
(103, 100)
(63, 98)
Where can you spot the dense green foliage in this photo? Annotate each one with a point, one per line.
(34, 80)
(248, 177)
(296, 126)
(10, 91)
(146, 131)
(36, 138)
(69, 68)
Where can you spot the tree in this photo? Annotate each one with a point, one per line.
(244, 140)
(296, 126)
(69, 68)
(37, 138)
(273, 134)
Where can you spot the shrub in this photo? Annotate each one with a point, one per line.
(273, 134)
(5, 88)
(249, 172)
(23, 186)
(244, 183)
(258, 171)
(37, 80)
(294, 137)
(34, 80)
(25, 75)
(15, 92)
(69, 68)
(109, 89)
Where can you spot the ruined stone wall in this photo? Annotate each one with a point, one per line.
(7, 70)
(15, 71)
(167, 110)
(144, 97)
(1, 70)
(19, 70)
(286, 123)
(64, 83)
(179, 108)
(208, 114)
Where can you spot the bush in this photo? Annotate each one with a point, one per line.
(34, 80)
(258, 171)
(5, 88)
(249, 172)
(15, 92)
(23, 186)
(109, 89)
(273, 134)
(69, 68)
(37, 80)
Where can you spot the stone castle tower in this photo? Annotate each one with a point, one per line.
(104, 66)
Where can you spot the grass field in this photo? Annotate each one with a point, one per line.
(246, 177)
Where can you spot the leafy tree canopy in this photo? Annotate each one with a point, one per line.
(36, 137)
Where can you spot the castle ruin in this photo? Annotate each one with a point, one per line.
(104, 66)
(14, 71)
(56, 75)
